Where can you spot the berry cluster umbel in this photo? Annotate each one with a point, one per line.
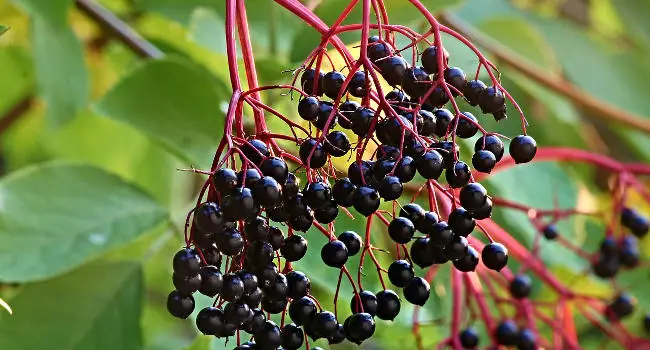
(264, 198)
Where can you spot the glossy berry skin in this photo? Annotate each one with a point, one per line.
(494, 256)
(458, 175)
(417, 291)
(247, 178)
(237, 313)
(414, 82)
(308, 108)
(469, 338)
(302, 310)
(233, 287)
(307, 82)
(390, 188)
(492, 100)
(606, 266)
(211, 280)
(324, 115)
(359, 171)
(522, 149)
(527, 340)
(469, 262)
(621, 307)
(352, 242)
(337, 144)
(420, 252)
(467, 125)
(393, 69)
(301, 221)
(334, 254)
(414, 212)
(239, 205)
(361, 120)
(427, 223)
(507, 333)
(294, 248)
(457, 248)
(208, 217)
(628, 253)
(357, 85)
(388, 305)
(400, 273)
(484, 211)
(473, 196)
(230, 242)
(461, 222)
(441, 234)
(317, 151)
(473, 90)
(343, 192)
(366, 200)
(298, 284)
(438, 97)
(267, 191)
(484, 161)
(550, 232)
(256, 229)
(255, 150)
(276, 168)
(401, 230)
(429, 59)
(406, 169)
(317, 194)
(636, 223)
(249, 280)
(456, 77)
(443, 119)
(339, 335)
(430, 165)
(520, 286)
(292, 336)
(359, 327)
(397, 98)
(269, 335)
(326, 214)
(324, 324)
(224, 180)
(446, 149)
(490, 143)
(210, 320)
(274, 305)
(387, 152)
(186, 285)
(390, 131)
(332, 83)
(381, 168)
(179, 305)
(259, 253)
(368, 302)
(186, 262)
(377, 50)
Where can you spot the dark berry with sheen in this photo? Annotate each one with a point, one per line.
(523, 149)
(352, 242)
(494, 256)
(334, 254)
(400, 273)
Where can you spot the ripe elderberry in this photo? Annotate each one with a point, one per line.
(388, 305)
(359, 327)
(469, 338)
(365, 301)
(494, 256)
(294, 248)
(417, 291)
(522, 149)
(520, 286)
(334, 254)
(401, 230)
(365, 200)
(308, 108)
(393, 69)
(400, 273)
(180, 305)
(357, 86)
(352, 242)
(507, 333)
(332, 83)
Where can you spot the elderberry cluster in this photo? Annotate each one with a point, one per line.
(244, 238)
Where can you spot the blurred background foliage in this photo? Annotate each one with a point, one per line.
(92, 204)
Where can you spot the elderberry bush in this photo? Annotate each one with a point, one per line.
(408, 160)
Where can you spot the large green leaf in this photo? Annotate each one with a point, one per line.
(97, 307)
(61, 71)
(55, 12)
(201, 342)
(18, 76)
(175, 102)
(58, 215)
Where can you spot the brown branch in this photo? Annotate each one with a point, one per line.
(118, 29)
(600, 109)
(15, 113)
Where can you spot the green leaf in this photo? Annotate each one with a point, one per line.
(63, 214)
(97, 307)
(61, 71)
(175, 102)
(17, 76)
(54, 12)
(3, 29)
(634, 15)
(202, 342)
(178, 10)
